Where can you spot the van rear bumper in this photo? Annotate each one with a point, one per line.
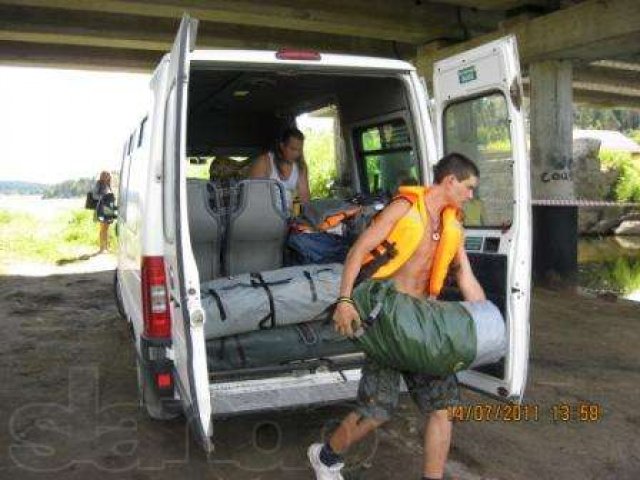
(246, 396)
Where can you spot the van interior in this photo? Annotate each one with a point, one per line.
(364, 146)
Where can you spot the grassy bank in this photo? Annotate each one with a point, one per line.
(627, 187)
(38, 235)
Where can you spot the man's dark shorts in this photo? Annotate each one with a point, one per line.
(379, 387)
(379, 390)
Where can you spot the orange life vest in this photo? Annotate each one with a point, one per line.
(404, 238)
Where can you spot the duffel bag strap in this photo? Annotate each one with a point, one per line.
(258, 281)
(308, 335)
(218, 300)
(370, 320)
(312, 286)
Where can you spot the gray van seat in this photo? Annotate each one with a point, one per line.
(257, 229)
(205, 227)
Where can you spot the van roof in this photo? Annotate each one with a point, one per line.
(265, 57)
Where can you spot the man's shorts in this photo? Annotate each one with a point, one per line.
(379, 390)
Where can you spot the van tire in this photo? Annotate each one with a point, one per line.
(156, 409)
(117, 292)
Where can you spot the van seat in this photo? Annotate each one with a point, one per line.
(206, 228)
(224, 195)
(257, 229)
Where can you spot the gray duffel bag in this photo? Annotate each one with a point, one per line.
(260, 301)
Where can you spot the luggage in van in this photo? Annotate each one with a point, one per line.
(278, 346)
(260, 301)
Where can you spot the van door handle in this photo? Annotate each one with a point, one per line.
(170, 275)
(174, 300)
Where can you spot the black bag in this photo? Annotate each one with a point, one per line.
(106, 209)
(90, 203)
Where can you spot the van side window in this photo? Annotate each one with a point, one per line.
(322, 151)
(198, 167)
(124, 183)
(480, 129)
(143, 131)
(386, 156)
(131, 142)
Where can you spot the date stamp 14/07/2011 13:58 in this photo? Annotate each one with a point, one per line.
(557, 413)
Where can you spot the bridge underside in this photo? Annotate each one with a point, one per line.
(600, 37)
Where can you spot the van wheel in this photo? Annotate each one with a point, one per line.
(156, 408)
(118, 295)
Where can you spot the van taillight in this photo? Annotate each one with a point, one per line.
(291, 54)
(164, 380)
(155, 304)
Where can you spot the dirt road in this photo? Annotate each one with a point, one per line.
(69, 402)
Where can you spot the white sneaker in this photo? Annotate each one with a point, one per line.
(322, 471)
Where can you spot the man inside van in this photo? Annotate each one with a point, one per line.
(286, 165)
(455, 178)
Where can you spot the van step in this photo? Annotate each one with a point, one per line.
(283, 392)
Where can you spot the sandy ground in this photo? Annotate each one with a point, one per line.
(69, 400)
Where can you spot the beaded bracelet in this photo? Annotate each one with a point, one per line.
(345, 300)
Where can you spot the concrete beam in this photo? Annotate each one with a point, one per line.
(77, 57)
(54, 26)
(412, 23)
(497, 4)
(605, 99)
(592, 30)
(613, 80)
(590, 96)
(604, 88)
(617, 65)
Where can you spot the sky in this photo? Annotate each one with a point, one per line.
(58, 124)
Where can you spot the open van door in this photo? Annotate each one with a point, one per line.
(479, 112)
(187, 326)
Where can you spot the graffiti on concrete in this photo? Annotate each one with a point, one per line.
(556, 176)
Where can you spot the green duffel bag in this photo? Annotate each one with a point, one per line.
(277, 346)
(428, 336)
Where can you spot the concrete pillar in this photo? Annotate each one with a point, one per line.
(555, 229)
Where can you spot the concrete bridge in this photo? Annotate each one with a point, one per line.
(600, 38)
(571, 51)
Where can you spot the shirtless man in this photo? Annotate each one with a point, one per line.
(455, 177)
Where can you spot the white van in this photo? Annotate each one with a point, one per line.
(208, 103)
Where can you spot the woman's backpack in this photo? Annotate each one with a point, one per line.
(90, 203)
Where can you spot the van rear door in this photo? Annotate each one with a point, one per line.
(479, 112)
(187, 325)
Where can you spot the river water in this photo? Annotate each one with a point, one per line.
(610, 264)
